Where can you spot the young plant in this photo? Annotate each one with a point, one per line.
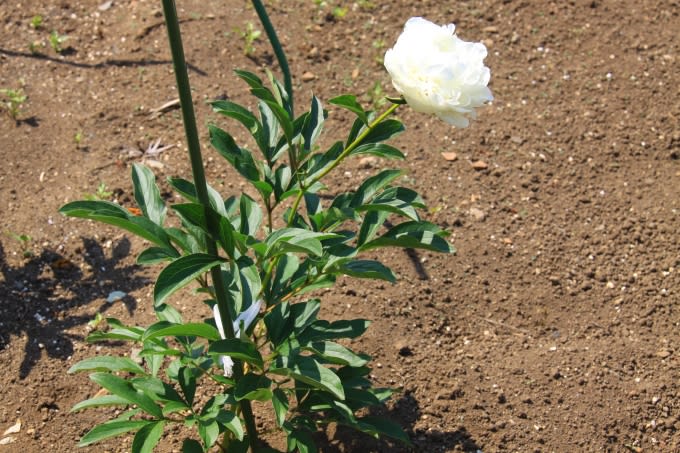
(249, 36)
(256, 262)
(13, 100)
(102, 193)
(56, 41)
(25, 241)
(37, 22)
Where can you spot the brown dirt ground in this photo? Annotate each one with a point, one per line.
(555, 328)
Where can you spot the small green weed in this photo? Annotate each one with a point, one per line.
(102, 193)
(25, 241)
(13, 100)
(37, 22)
(249, 36)
(56, 41)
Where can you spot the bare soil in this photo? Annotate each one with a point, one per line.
(555, 327)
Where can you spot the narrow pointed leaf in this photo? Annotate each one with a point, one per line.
(100, 401)
(113, 214)
(181, 272)
(350, 103)
(111, 429)
(147, 195)
(237, 349)
(124, 389)
(147, 438)
(311, 372)
(107, 363)
(366, 269)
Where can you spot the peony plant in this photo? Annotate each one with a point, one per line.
(258, 262)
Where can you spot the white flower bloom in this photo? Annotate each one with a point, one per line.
(246, 318)
(436, 72)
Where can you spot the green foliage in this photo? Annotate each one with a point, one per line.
(56, 40)
(25, 241)
(102, 193)
(37, 22)
(249, 35)
(12, 101)
(267, 251)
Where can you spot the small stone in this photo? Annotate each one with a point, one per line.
(490, 29)
(450, 156)
(477, 214)
(308, 76)
(367, 162)
(664, 353)
(405, 351)
(480, 165)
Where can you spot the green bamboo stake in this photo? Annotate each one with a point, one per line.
(194, 147)
(278, 50)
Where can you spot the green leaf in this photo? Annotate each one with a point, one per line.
(231, 422)
(196, 214)
(270, 130)
(209, 431)
(303, 440)
(384, 131)
(296, 240)
(311, 372)
(107, 363)
(243, 116)
(187, 382)
(366, 269)
(157, 390)
(192, 446)
(250, 78)
(281, 404)
(276, 321)
(181, 272)
(378, 150)
(379, 425)
(251, 215)
(335, 353)
(398, 200)
(373, 220)
(124, 389)
(100, 401)
(112, 214)
(238, 349)
(155, 255)
(111, 429)
(313, 125)
(413, 234)
(198, 329)
(240, 158)
(350, 103)
(373, 185)
(304, 314)
(188, 191)
(147, 438)
(253, 387)
(147, 195)
(323, 330)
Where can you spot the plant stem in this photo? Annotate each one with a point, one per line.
(191, 131)
(278, 50)
(352, 146)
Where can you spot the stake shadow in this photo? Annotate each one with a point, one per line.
(39, 300)
(406, 412)
(103, 64)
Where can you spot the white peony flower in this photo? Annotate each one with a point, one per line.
(436, 72)
(246, 317)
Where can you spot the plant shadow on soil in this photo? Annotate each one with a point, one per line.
(40, 294)
(406, 412)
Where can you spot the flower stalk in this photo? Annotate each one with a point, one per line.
(194, 148)
(278, 50)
